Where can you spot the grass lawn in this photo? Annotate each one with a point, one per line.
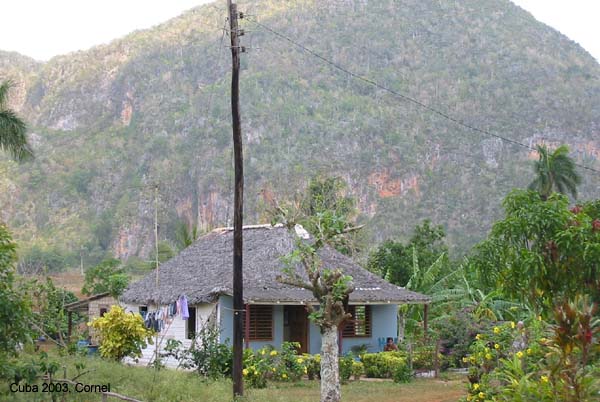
(169, 385)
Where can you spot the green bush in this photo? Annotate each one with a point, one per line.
(313, 366)
(121, 334)
(402, 373)
(384, 364)
(538, 361)
(358, 369)
(207, 356)
(345, 366)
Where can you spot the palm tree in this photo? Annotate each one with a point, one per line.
(13, 137)
(555, 171)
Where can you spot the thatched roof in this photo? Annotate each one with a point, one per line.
(203, 271)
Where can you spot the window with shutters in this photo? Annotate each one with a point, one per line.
(359, 326)
(260, 323)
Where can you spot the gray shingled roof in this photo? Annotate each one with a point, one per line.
(203, 271)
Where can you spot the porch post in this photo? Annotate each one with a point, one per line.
(247, 329)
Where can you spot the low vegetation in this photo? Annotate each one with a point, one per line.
(149, 385)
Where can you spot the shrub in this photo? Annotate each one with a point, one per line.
(384, 364)
(358, 369)
(289, 366)
(207, 356)
(313, 366)
(533, 363)
(402, 373)
(121, 334)
(345, 366)
(256, 368)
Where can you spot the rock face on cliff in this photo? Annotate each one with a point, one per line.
(109, 122)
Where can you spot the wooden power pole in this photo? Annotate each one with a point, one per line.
(238, 204)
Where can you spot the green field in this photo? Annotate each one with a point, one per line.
(169, 385)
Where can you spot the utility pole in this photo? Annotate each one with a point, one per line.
(81, 260)
(156, 352)
(238, 204)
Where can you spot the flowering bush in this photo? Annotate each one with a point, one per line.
(538, 362)
(269, 364)
(313, 366)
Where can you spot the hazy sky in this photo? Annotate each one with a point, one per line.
(45, 28)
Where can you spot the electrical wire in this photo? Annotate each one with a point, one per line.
(406, 98)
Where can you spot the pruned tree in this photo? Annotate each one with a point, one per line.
(330, 287)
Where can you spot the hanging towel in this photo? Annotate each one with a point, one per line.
(185, 314)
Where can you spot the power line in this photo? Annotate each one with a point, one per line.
(402, 96)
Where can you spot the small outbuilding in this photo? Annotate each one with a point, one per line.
(94, 306)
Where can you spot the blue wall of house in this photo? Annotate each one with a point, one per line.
(384, 319)
(226, 308)
(384, 323)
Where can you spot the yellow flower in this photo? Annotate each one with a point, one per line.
(488, 356)
(299, 360)
(245, 371)
(464, 359)
(529, 351)
(496, 330)
(284, 376)
(469, 397)
(544, 378)
(475, 386)
(487, 350)
(539, 318)
(496, 346)
(273, 353)
(305, 370)
(481, 395)
(472, 359)
(520, 354)
(262, 352)
(273, 369)
(513, 325)
(478, 337)
(255, 372)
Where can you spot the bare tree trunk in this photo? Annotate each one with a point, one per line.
(330, 373)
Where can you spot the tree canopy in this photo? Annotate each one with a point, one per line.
(108, 276)
(542, 251)
(555, 171)
(13, 138)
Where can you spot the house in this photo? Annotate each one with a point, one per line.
(274, 312)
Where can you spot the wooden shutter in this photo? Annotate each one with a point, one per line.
(359, 326)
(261, 323)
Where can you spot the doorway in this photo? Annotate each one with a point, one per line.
(191, 324)
(295, 326)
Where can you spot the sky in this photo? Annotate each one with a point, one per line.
(45, 28)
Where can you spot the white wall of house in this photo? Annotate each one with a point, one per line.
(177, 329)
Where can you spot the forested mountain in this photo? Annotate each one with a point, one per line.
(153, 106)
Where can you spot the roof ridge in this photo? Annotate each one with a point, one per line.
(257, 226)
